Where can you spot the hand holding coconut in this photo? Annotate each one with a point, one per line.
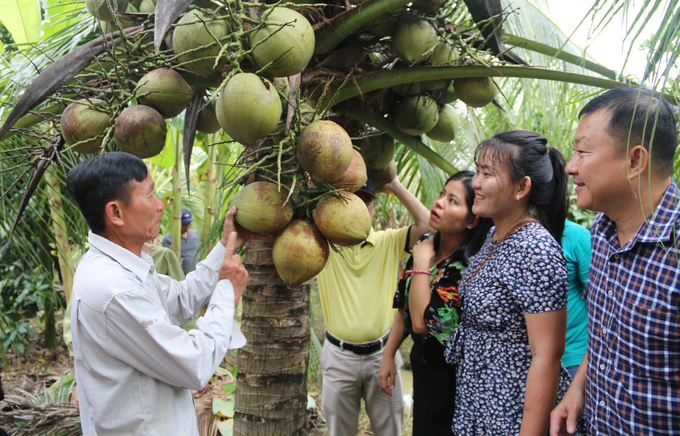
(242, 235)
(232, 269)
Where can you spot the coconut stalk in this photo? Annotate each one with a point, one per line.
(211, 173)
(334, 31)
(64, 255)
(386, 78)
(176, 225)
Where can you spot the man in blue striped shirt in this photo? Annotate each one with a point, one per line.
(629, 380)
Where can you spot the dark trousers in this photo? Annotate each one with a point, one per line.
(434, 388)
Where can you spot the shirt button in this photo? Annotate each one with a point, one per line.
(605, 331)
(610, 293)
(602, 403)
(616, 256)
(602, 367)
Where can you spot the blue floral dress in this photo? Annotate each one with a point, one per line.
(526, 274)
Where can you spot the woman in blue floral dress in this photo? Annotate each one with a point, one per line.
(429, 309)
(510, 339)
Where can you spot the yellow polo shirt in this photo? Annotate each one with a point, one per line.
(357, 288)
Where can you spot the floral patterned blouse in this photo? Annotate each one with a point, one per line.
(526, 274)
(443, 311)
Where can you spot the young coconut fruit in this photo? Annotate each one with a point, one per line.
(248, 108)
(383, 176)
(110, 26)
(447, 126)
(416, 115)
(207, 118)
(378, 151)
(442, 55)
(164, 90)
(324, 150)
(414, 39)
(385, 25)
(196, 30)
(140, 130)
(450, 94)
(100, 8)
(300, 252)
(286, 40)
(262, 208)
(475, 91)
(84, 123)
(343, 219)
(354, 176)
(147, 6)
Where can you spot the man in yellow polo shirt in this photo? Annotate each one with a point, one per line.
(357, 290)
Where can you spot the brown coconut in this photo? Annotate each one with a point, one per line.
(85, 123)
(343, 219)
(262, 208)
(164, 90)
(300, 252)
(383, 176)
(140, 130)
(354, 176)
(324, 150)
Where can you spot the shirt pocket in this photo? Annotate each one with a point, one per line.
(651, 342)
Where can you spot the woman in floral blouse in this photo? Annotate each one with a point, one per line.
(429, 309)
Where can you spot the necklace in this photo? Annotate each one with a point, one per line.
(521, 224)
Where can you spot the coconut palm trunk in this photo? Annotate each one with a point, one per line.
(271, 393)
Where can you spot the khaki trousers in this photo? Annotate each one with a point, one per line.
(349, 377)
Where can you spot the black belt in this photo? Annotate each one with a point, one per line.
(364, 348)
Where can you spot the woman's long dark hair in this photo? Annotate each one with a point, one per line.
(526, 154)
(474, 238)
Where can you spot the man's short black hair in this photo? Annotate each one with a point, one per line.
(101, 179)
(639, 117)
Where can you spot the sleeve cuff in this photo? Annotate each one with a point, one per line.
(215, 257)
(237, 339)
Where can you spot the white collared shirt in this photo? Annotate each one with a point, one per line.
(135, 367)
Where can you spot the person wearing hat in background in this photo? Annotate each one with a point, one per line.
(356, 289)
(190, 243)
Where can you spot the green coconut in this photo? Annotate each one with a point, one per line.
(300, 252)
(286, 40)
(191, 33)
(428, 6)
(378, 151)
(447, 126)
(475, 91)
(212, 81)
(414, 39)
(324, 150)
(343, 219)
(450, 94)
(164, 90)
(354, 176)
(416, 115)
(407, 89)
(100, 8)
(207, 118)
(262, 208)
(140, 130)
(248, 108)
(383, 176)
(147, 6)
(442, 55)
(85, 123)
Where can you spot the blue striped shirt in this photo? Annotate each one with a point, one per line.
(633, 381)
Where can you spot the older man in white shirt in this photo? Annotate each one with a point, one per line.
(135, 367)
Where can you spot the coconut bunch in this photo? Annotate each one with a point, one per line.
(336, 215)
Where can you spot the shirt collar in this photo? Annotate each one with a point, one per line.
(659, 227)
(141, 267)
(371, 238)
